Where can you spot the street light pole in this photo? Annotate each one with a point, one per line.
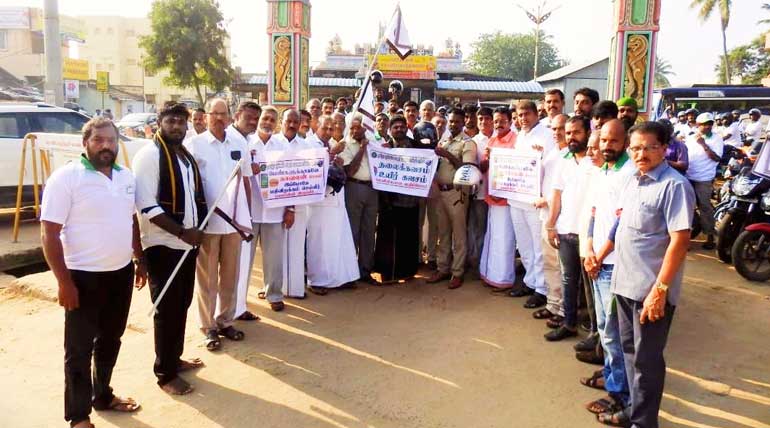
(54, 89)
(538, 17)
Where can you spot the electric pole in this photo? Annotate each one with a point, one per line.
(54, 87)
(538, 16)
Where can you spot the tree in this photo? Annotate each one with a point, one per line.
(706, 9)
(662, 71)
(749, 62)
(513, 55)
(188, 40)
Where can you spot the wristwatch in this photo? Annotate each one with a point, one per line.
(661, 286)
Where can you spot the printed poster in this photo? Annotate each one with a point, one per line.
(515, 174)
(294, 177)
(405, 171)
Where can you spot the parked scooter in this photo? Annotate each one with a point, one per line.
(741, 211)
(751, 251)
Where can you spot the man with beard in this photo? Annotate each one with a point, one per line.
(477, 213)
(554, 105)
(268, 224)
(653, 232)
(361, 199)
(599, 264)
(454, 151)
(84, 201)
(171, 204)
(471, 120)
(533, 139)
(497, 263)
(398, 244)
(392, 107)
(628, 111)
(217, 152)
(327, 106)
(704, 150)
(331, 253)
(294, 256)
(563, 224)
(242, 129)
(584, 101)
(314, 107)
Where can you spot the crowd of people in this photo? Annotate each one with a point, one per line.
(609, 231)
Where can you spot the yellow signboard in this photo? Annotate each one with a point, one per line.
(102, 81)
(75, 69)
(413, 67)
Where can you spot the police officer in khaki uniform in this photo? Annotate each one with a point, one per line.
(455, 150)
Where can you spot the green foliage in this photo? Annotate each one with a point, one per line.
(188, 39)
(662, 72)
(749, 62)
(706, 8)
(513, 55)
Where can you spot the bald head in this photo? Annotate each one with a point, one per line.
(290, 123)
(613, 141)
(325, 128)
(218, 117)
(557, 127)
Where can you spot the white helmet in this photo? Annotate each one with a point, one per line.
(467, 175)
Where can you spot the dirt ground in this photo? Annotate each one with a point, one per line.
(411, 355)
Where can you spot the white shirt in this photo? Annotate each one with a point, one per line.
(682, 130)
(605, 196)
(147, 170)
(215, 162)
(259, 212)
(701, 167)
(735, 134)
(96, 213)
(481, 145)
(571, 179)
(754, 130)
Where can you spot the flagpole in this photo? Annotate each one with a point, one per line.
(205, 221)
(369, 73)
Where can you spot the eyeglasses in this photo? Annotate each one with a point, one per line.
(647, 149)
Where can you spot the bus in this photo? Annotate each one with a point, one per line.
(711, 98)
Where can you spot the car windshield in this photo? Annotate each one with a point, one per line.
(136, 117)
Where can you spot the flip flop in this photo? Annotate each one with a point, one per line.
(261, 295)
(542, 314)
(596, 381)
(212, 341)
(604, 405)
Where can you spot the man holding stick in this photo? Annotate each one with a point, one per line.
(171, 204)
(81, 201)
(217, 268)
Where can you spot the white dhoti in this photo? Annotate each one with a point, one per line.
(497, 266)
(528, 226)
(294, 255)
(331, 253)
(244, 272)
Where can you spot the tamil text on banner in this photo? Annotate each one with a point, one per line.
(407, 171)
(515, 174)
(294, 177)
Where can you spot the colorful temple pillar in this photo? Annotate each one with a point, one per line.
(288, 76)
(632, 60)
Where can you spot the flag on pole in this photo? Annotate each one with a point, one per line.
(365, 104)
(397, 37)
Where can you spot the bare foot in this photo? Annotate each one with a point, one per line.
(178, 386)
(191, 364)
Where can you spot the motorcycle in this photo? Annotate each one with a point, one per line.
(741, 211)
(751, 251)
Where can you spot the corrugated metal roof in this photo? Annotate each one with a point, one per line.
(314, 81)
(487, 86)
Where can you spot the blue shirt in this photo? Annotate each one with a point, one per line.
(653, 205)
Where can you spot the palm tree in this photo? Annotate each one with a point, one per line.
(706, 9)
(765, 6)
(662, 71)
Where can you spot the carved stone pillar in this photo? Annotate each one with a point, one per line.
(288, 76)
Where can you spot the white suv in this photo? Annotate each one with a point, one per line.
(18, 119)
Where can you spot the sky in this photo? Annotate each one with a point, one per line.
(580, 29)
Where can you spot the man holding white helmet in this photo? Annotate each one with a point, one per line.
(704, 148)
(454, 151)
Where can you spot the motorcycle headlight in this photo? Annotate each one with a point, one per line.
(764, 203)
(742, 186)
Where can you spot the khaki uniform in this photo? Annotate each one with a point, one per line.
(453, 206)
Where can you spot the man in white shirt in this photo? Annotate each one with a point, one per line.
(681, 128)
(563, 222)
(361, 199)
(314, 107)
(477, 213)
(217, 154)
(294, 254)
(331, 253)
(268, 223)
(704, 149)
(753, 130)
(526, 218)
(171, 206)
(83, 201)
(554, 105)
(730, 132)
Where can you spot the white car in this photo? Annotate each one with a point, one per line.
(19, 119)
